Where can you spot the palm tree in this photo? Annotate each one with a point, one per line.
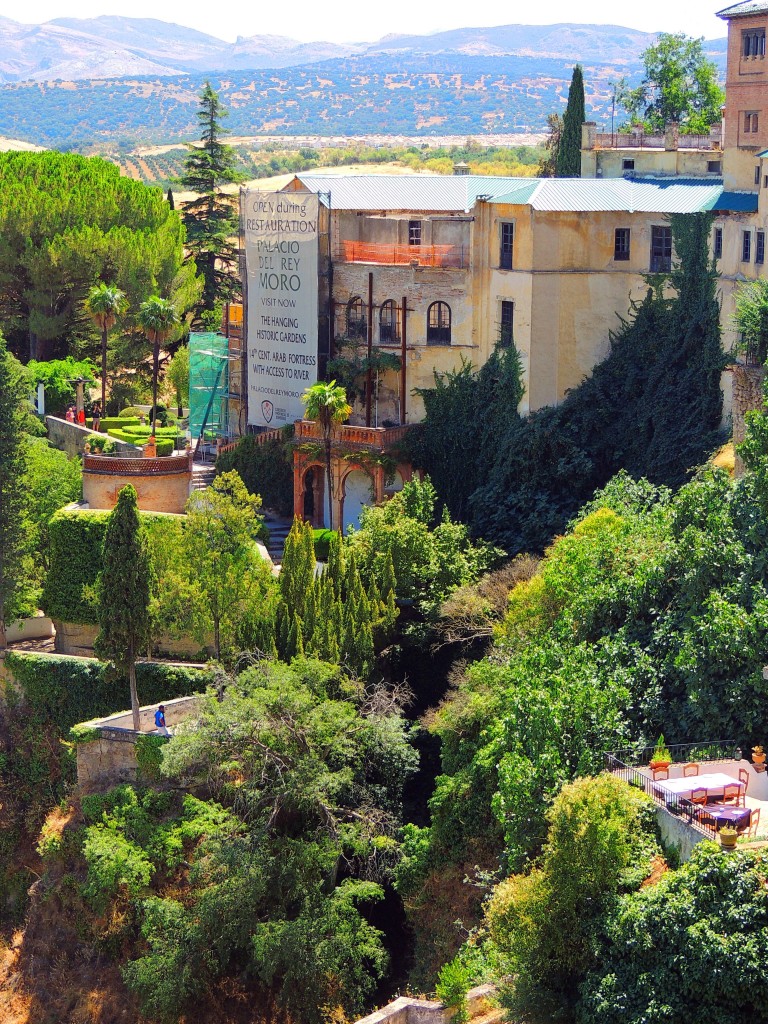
(105, 303)
(158, 319)
(327, 405)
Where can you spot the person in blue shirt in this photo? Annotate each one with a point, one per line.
(160, 725)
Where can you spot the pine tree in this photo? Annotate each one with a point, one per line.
(124, 592)
(569, 150)
(13, 497)
(211, 218)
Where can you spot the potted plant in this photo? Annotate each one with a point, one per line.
(661, 757)
(758, 755)
(728, 836)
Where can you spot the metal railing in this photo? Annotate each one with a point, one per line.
(352, 436)
(626, 764)
(450, 257)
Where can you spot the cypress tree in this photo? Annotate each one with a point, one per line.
(568, 163)
(13, 497)
(124, 591)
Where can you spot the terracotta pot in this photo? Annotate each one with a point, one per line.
(758, 758)
(659, 764)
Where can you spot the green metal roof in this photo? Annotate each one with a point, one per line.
(744, 9)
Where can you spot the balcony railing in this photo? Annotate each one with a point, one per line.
(451, 257)
(627, 765)
(638, 140)
(351, 436)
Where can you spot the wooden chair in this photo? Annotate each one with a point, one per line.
(733, 795)
(744, 777)
(699, 796)
(660, 773)
(754, 821)
(690, 770)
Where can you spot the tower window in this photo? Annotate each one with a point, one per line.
(507, 246)
(746, 246)
(388, 332)
(506, 334)
(759, 247)
(718, 243)
(661, 249)
(357, 323)
(753, 42)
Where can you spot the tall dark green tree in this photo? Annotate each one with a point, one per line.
(124, 592)
(211, 217)
(568, 164)
(13, 495)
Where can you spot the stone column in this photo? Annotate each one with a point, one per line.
(672, 136)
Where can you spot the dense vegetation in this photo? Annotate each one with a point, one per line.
(652, 407)
(428, 94)
(68, 222)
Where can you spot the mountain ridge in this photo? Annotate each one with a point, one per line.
(113, 46)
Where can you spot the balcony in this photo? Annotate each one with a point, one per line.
(706, 768)
(352, 437)
(444, 257)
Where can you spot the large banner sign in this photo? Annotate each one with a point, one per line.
(281, 267)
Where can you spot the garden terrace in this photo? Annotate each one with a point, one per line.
(162, 484)
(708, 767)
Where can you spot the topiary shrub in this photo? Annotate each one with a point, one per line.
(322, 540)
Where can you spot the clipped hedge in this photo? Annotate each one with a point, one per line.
(265, 469)
(108, 422)
(66, 690)
(164, 444)
(76, 539)
(322, 541)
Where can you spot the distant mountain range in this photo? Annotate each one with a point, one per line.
(76, 49)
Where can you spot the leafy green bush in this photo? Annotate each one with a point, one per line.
(129, 413)
(265, 469)
(117, 422)
(322, 540)
(58, 375)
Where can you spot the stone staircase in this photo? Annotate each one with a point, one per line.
(202, 475)
(279, 529)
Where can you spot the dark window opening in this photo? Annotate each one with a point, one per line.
(760, 247)
(506, 334)
(357, 320)
(718, 246)
(751, 121)
(753, 43)
(439, 324)
(746, 246)
(714, 166)
(627, 165)
(757, 175)
(661, 250)
(388, 323)
(621, 244)
(507, 246)
(414, 232)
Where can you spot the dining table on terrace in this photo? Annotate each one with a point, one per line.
(714, 783)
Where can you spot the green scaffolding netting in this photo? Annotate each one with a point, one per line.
(208, 384)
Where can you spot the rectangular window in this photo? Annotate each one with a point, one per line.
(746, 246)
(507, 246)
(506, 334)
(414, 232)
(714, 167)
(627, 165)
(760, 247)
(757, 175)
(718, 246)
(661, 249)
(751, 121)
(621, 244)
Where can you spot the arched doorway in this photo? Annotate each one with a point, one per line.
(308, 496)
(358, 493)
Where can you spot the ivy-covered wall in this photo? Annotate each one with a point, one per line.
(65, 691)
(76, 541)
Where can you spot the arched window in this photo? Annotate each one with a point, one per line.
(389, 328)
(357, 321)
(439, 324)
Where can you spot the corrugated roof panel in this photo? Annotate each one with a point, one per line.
(749, 7)
(459, 193)
(736, 202)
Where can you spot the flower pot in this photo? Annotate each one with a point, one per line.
(728, 839)
(758, 758)
(653, 765)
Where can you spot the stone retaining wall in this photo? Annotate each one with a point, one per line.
(406, 1010)
(747, 396)
(110, 758)
(71, 438)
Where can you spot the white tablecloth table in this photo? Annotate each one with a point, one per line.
(716, 781)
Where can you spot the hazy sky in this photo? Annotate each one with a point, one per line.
(353, 20)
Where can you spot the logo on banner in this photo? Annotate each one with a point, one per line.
(267, 410)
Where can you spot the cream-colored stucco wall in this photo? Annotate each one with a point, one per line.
(609, 163)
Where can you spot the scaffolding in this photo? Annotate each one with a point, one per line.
(216, 407)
